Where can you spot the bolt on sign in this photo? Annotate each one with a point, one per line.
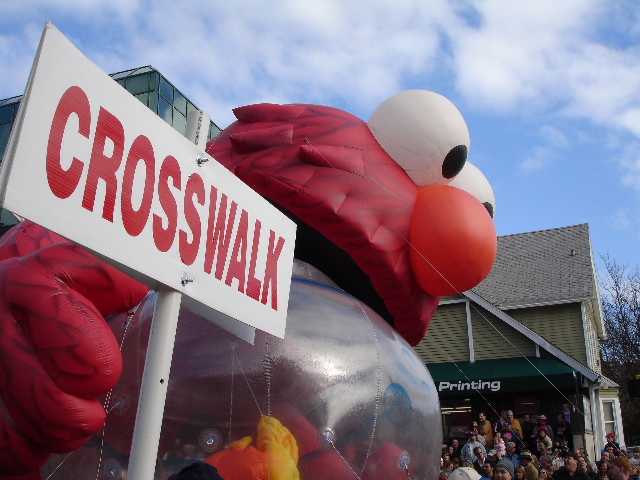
(90, 162)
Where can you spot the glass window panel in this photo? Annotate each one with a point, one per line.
(154, 82)
(607, 408)
(180, 103)
(121, 81)
(190, 107)
(179, 122)
(213, 131)
(165, 111)
(5, 130)
(6, 114)
(138, 84)
(153, 102)
(166, 90)
(7, 218)
(144, 98)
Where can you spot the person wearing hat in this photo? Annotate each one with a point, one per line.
(611, 442)
(467, 453)
(504, 470)
(542, 425)
(530, 470)
(570, 470)
(464, 473)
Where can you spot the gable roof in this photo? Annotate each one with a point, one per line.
(543, 267)
(533, 336)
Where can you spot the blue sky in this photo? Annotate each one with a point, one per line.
(550, 90)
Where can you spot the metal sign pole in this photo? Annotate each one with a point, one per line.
(153, 392)
(155, 380)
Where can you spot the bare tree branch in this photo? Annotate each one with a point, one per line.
(620, 290)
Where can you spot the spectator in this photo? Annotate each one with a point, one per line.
(570, 470)
(544, 474)
(487, 469)
(564, 427)
(511, 425)
(481, 438)
(542, 449)
(511, 455)
(620, 468)
(542, 426)
(484, 429)
(467, 449)
(499, 445)
(544, 438)
(481, 457)
(448, 467)
(527, 430)
(584, 466)
(504, 470)
(500, 423)
(455, 453)
(566, 412)
(591, 464)
(526, 460)
(546, 462)
(519, 473)
(464, 473)
(604, 457)
(635, 458)
(603, 470)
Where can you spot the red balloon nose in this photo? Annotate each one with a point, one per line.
(453, 240)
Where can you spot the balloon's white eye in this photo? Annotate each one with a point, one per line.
(425, 133)
(473, 181)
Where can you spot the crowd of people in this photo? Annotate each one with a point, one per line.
(531, 450)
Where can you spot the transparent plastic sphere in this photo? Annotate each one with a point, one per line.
(348, 388)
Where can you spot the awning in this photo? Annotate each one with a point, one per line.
(502, 375)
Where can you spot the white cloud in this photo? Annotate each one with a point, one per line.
(510, 57)
(538, 158)
(554, 137)
(620, 220)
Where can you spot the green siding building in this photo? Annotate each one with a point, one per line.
(526, 339)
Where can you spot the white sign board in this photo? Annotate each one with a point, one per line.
(90, 162)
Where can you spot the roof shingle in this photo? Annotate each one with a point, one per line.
(547, 266)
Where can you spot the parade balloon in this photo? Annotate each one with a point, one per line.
(343, 395)
(425, 133)
(472, 180)
(453, 223)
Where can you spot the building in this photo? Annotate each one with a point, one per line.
(145, 83)
(526, 339)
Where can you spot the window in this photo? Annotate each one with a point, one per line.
(609, 413)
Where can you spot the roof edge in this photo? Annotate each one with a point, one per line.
(526, 331)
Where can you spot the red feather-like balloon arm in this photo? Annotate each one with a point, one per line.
(57, 354)
(325, 168)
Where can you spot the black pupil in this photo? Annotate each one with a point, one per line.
(454, 161)
(489, 208)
